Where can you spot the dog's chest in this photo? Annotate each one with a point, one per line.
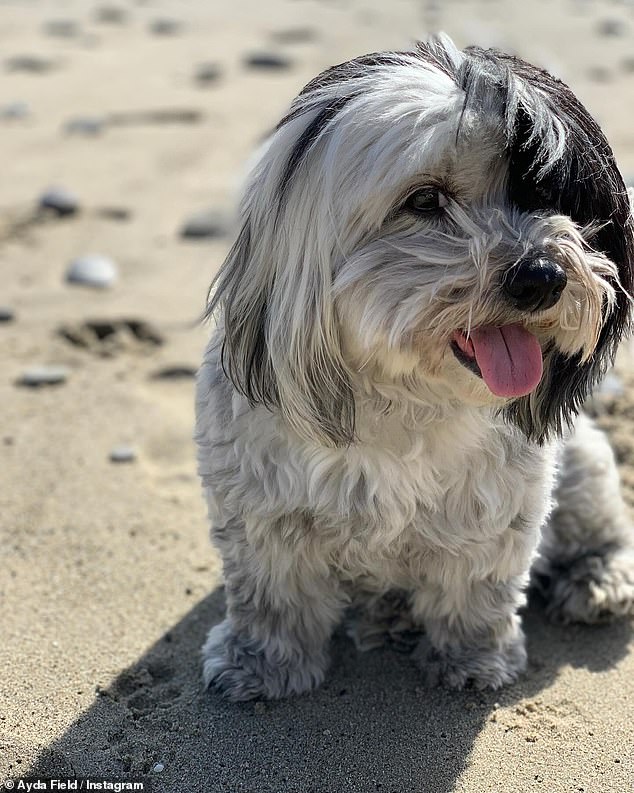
(444, 496)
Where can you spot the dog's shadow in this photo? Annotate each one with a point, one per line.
(372, 725)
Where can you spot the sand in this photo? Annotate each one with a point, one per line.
(107, 580)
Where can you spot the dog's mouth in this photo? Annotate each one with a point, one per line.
(508, 358)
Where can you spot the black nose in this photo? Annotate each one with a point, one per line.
(535, 283)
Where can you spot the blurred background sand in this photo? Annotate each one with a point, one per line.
(124, 131)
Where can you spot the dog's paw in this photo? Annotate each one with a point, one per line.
(593, 589)
(482, 668)
(239, 671)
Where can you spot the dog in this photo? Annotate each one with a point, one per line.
(433, 269)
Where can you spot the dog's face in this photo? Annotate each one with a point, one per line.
(442, 225)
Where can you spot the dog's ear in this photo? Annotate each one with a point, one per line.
(281, 345)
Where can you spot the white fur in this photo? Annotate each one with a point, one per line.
(344, 450)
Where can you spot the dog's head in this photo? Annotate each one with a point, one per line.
(435, 224)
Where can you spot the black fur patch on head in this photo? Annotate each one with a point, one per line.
(304, 143)
(341, 73)
(583, 184)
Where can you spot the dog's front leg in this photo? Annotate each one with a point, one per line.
(282, 606)
(474, 632)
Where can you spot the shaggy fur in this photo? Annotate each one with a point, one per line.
(352, 450)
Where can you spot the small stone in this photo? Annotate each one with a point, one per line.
(93, 270)
(60, 201)
(111, 15)
(118, 214)
(90, 126)
(14, 111)
(62, 28)
(166, 27)
(599, 74)
(175, 373)
(206, 224)
(6, 314)
(169, 115)
(207, 73)
(298, 35)
(157, 768)
(271, 61)
(123, 454)
(34, 64)
(37, 376)
(612, 27)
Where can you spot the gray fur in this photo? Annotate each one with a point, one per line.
(585, 568)
(347, 456)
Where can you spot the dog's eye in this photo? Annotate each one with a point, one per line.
(426, 200)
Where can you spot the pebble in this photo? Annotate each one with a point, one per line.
(599, 74)
(35, 64)
(62, 28)
(612, 27)
(14, 111)
(166, 27)
(118, 214)
(93, 270)
(168, 115)
(123, 454)
(111, 15)
(37, 376)
(206, 224)
(59, 200)
(294, 35)
(207, 73)
(90, 126)
(6, 314)
(268, 60)
(157, 768)
(178, 372)
(628, 64)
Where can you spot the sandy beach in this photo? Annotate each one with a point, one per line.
(125, 129)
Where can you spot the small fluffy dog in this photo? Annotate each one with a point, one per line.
(433, 269)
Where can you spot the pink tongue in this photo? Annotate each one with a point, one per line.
(510, 359)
